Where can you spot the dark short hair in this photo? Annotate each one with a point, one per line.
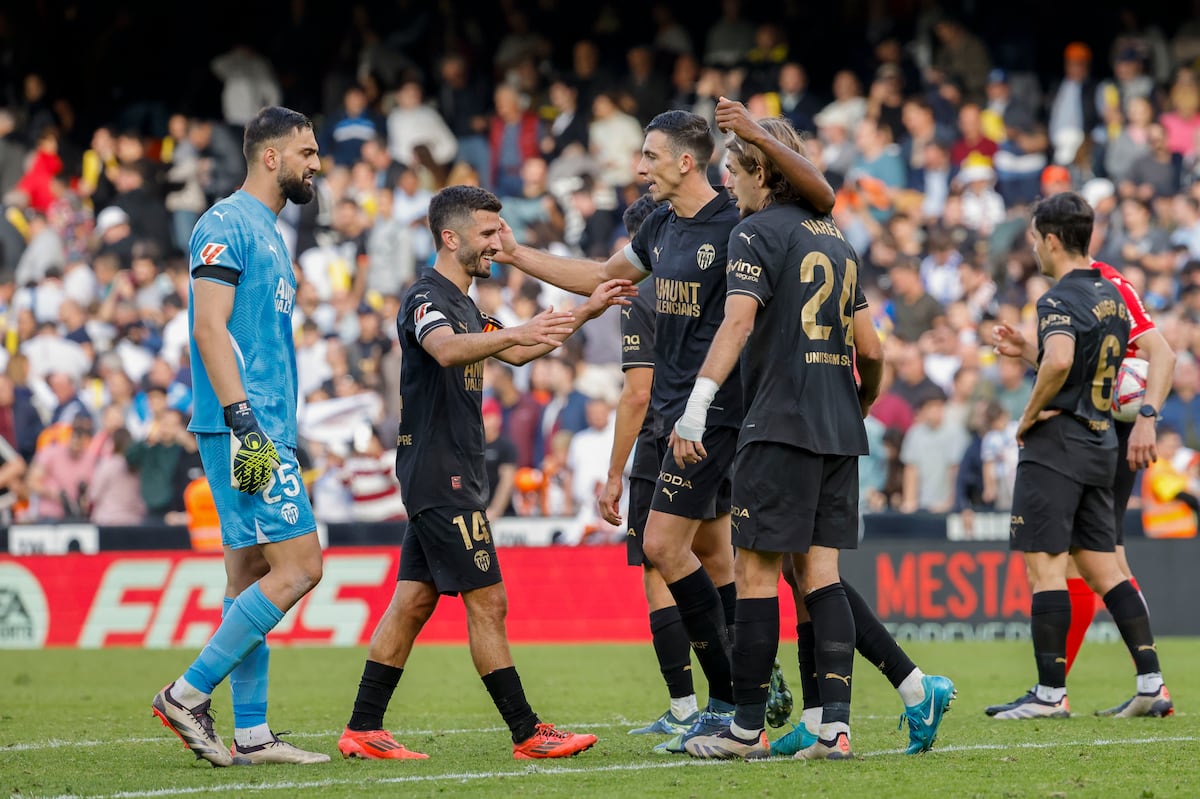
(271, 124)
(452, 207)
(686, 133)
(637, 212)
(1069, 217)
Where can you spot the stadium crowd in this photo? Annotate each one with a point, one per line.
(937, 148)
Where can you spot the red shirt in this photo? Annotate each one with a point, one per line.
(1139, 318)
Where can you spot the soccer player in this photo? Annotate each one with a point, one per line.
(1136, 449)
(683, 243)
(635, 424)
(1063, 498)
(242, 292)
(796, 318)
(448, 547)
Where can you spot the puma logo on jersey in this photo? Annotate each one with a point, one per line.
(424, 295)
(462, 326)
(220, 215)
(747, 238)
(656, 251)
(829, 675)
(1150, 648)
(670, 494)
(625, 312)
(271, 247)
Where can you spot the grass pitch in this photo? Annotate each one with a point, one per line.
(78, 723)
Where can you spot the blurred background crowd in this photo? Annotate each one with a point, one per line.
(938, 128)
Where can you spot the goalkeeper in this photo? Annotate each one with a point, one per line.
(244, 381)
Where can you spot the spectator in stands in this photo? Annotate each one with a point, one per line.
(1182, 119)
(915, 311)
(500, 456)
(248, 83)
(1155, 174)
(155, 460)
(931, 453)
(1181, 411)
(567, 406)
(645, 85)
(369, 473)
(354, 125)
(20, 424)
(521, 411)
(464, 103)
(413, 122)
(1000, 454)
(1012, 387)
(68, 404)
(570, 124)
(61, 472)
(1169, 489)
(971, 136)
(515, 134)
(728, 40)
(912, 384)
(114, 495)
(962, 57)
(615, 138)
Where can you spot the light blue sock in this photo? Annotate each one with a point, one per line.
(250, 618)
(248, 683)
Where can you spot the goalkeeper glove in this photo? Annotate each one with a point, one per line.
(253, 458)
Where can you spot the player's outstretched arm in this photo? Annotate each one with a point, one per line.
(577, 275)
(549, 328)
(740, 313)
(606, 295)
(733, 117)
(1143, 447)
(631, 412)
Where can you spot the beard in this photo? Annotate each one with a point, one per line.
(472, 264)
(294, 188)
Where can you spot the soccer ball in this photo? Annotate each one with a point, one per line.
(1130, 389)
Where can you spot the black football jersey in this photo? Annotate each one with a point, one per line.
(798, 364)
(685, 257)
(637, 352)
(1083, 443)
(440, 445)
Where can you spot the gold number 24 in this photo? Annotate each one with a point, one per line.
(808, 314)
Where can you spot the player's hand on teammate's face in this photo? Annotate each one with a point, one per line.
(686, 452)
(610, 501)
(607, 294)
(1009, 340)
(549, 327)
(508, 244)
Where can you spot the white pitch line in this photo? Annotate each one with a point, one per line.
(553, 771)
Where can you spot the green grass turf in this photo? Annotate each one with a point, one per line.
(79, 723)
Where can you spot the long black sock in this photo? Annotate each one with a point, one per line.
(1129, 614)
(806, 644)
(754, 650)
(728, 594)
(375, 690)
(674, 651)
(1049, 621)
(874, 642)
(505, 687)
(833, 629)
(704, 619)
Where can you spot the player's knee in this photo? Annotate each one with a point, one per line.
(487, 607)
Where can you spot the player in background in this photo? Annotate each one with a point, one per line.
(683, 243)
(1063, 499)
(243, 359)
(448, 547)
(1137, 449)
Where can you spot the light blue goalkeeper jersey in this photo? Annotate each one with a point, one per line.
(236, 242)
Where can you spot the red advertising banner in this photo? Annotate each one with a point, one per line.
(165, 599)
